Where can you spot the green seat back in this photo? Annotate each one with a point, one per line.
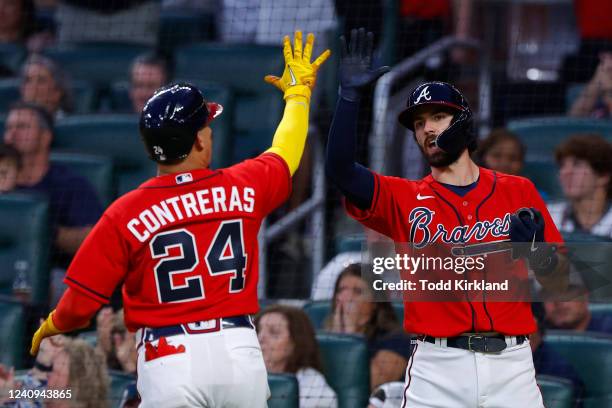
(179, 26)
(258, 106)
(544, 175)
(24, 243)
(99, 63)
(600, 308)
(98, 170)
(9, 93)
(119, 382)
(115, 136)
(557, 392)
(221, 126)
(12, 333)
(346, 368)
(591, 356)
(542, 135)
(12, 55)
(593, 261)
(284, 391)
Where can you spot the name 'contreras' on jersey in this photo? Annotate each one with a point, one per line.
(147, 239)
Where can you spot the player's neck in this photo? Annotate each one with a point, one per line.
(462, 172)
(189, 164)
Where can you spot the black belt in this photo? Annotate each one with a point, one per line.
(205, 326)
(483, 343)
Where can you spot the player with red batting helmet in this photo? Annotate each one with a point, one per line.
(184, 246)
(472, 352)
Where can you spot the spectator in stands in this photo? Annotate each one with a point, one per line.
(574, 314)
(129, 21)
(17, 18)
(45, 84)
(74, 206)
(585, 170)
(117, 344)
(501, 151)
(80, 368)
(35, 379)
(10, 162)
(546, 360)
(354, 311)
(289, 345)
(148, 73)
(595, 99)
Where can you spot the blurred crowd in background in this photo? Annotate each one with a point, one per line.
(74, 75)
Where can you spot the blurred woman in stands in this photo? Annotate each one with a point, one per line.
(80, 368)
(595, 99)
(45, 84)
(289, 345)
(10, 162)
(501, 151)
(354, 311)
(585, 169)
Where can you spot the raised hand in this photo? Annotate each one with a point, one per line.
(356, 72)
(298, 68)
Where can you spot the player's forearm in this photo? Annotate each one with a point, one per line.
(74, 311)
(586, 101)
(355, 181)
(290, 136)
(69, 239)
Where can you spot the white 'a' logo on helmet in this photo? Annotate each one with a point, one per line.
(424, 94)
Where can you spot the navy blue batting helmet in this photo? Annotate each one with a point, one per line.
(460, 133)
(171, 119)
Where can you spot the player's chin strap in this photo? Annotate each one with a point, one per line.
(459, 135)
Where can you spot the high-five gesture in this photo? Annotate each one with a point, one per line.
(356, 71)
(298, 68)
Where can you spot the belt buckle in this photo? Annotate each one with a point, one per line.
(477, 336)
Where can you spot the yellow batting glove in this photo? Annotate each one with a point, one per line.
(46, 329)
(300, 74)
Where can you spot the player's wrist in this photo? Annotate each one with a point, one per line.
(297, 91)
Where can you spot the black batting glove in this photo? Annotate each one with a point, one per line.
(527, 226)
(356, 72)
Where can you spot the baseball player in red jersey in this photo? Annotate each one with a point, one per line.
(184, 246)
(474, 352)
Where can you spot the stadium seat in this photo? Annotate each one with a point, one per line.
(99, 63)
(12, 333)
(593, 261)
(9, 93)
(98, 170)
(557, 392)
(600, 308)
(12, 55)
(116, 136)
(544, 174)
(119, 382)
(591, 356)
(24, 243)
(350, 243)
(284, 391)
(542, 134)
(183, 26)
(257, 105)
(346, 367)
(222, 141)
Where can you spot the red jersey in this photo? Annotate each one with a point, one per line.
(184, 245)
(594, 19)
(424, 211)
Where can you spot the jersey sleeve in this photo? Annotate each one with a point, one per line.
(269, 175)
(382, 216)
(551, 233)
(101, 262)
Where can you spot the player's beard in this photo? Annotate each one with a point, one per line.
(440, 158)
